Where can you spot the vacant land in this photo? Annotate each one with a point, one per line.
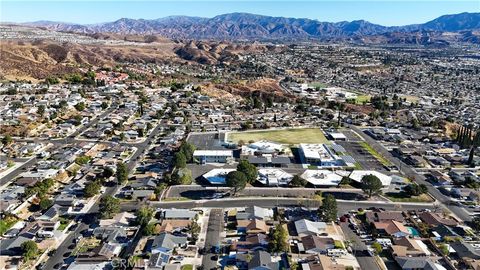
(285, 136)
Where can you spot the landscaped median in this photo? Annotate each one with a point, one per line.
(400, 197)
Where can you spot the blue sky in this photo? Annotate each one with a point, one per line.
(386, 12)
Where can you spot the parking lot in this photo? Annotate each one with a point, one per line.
(362, 156)
(207, 141)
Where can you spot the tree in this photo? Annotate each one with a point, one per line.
(104, 105)
(248, 169)
(107, 172)
(371, 184)
(109, 206)
(41, 110)
(143, 215)
(476, 223)
(29, 249)
(182, 176)
(82, 160)
(91, 189)
(298, 181)
(122, 173)
(345, 181)
(63, 104)
(187, 150)
(377, 247)
(415, 190)
(328, 210)
(149, 229)
(80, 106)
(159, 189)
(444, 249)
(179, 160)
(45, 203)
(236, 180)
(279, 242)
(7, 139)
(194, 230)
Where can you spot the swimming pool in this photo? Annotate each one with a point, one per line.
(218, 180)
(413, 231)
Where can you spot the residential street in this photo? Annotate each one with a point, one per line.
(445, 201)
(366, 261)
(212, 240)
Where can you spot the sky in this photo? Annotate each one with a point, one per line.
(384, 12)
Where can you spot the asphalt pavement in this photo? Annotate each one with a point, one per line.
(12, 175)
(359, 248)
(343, 206)
(408, 171)
(57, 257)
(212, 240)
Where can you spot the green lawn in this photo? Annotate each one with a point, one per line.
(362, 98)
(318, 84)
(374, 153)
(6, 224)
(187, 267)
(284, 136)
(63, 223)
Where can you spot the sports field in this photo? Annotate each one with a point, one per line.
(284, 136)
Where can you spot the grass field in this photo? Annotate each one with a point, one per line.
(284, 136)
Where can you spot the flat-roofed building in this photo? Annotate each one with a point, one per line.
(357, 176)
(213, 156)
(274, 177)
(318, 154)
(322, 178)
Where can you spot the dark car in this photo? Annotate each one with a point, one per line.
(214, 258)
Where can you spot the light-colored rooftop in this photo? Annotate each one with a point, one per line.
(322, 177)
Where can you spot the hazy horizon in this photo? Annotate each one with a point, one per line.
(388, 13)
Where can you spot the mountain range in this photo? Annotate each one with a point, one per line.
(247, 26)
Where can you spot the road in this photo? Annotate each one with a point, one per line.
(359, 249)
(215, 226)
(408, 171)
(199, 192)
(57, 257)
(343, 206)
(12, 175)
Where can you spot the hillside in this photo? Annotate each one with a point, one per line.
(246, 26)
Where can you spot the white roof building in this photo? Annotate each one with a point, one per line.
(274, 177)
(218, 153)
(359, 174)
(322, 177)
(337, 136)
(307, 227)
(263, 147)
(318, 154)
